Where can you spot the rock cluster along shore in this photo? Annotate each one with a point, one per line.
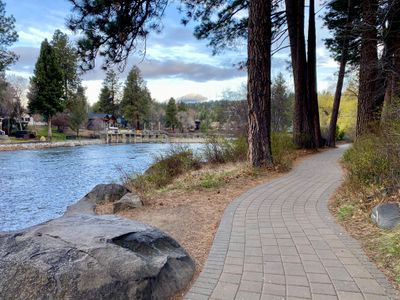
(44, 145)
(85, 256)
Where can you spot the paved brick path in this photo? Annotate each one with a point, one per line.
(279, 241)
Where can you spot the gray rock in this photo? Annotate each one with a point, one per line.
(107, 193)
(128, 201)
(386, 215)
(91, 257)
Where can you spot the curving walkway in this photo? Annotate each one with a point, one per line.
(279, 241)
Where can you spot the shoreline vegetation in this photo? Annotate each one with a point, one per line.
(185, 195)
(372, 168)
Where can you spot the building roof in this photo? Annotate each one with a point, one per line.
(100, 116)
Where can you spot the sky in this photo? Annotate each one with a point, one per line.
(176, 63)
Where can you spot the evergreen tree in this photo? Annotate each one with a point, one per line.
(369, 103)
(115, 27)
(259, 82)
(135, 104)
(46, 91)
(102, 105)
(305, 127)
(340, 18)
(108, 99)
(68, 59)
(366, 35)
(281, 105)
(8, 36)
(78, 107)
(171, 119)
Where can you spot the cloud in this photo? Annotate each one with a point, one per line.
(172, 37)
(27, 59)
(159, 69)
(324, 60)
(190, 71)
(33, 36)
(151, 68)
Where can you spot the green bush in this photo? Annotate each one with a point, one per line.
(339, 135)
(218, 150)
(282, 148)
(371, 160)
(166, 167)
(210, 181)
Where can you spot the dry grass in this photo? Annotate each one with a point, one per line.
(377, 243)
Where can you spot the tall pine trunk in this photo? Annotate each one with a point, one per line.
(259, 83)
(312, 94)
(49, 131)
(331, 140)
(392, 65)
(303, 118)
(368, 111)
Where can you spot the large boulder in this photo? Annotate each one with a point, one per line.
(102, 193)
(129, 201)
(91, 257)
(387, 215)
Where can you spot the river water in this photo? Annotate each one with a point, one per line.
(38, 185)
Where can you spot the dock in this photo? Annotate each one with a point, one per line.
(150, 136)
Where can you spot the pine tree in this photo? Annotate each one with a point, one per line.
(68, 59)
(46, 91)
(8, 36)
(171, 119)
(369, 104)
(108, 99)
(136, 100)
(78, 108)
(281, 105)
(304, 115)
(259, 83)
(340, 19)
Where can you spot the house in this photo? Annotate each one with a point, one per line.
(33, 120)
(99, 122)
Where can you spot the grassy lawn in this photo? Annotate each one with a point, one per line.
(56, 135)
(42, 131)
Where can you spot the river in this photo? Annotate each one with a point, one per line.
(38, 185)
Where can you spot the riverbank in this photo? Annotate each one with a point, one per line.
(46, 145)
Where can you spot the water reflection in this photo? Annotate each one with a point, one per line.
(38, 185)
